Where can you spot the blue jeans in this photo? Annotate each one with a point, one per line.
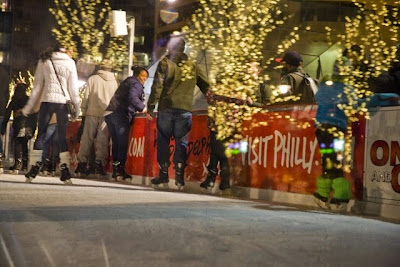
(119, 126)
(51, 139)
(46, 111)
(174, 123)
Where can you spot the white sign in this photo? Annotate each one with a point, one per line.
(382, 156)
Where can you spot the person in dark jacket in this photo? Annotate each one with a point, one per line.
(173, 89)
(294, 77)
(127, 100)
(23, 127)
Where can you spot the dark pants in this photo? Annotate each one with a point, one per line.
(119, 126)
(174, 123)
(217, 154)
(330, 161)
(21, 148)
(45, 113)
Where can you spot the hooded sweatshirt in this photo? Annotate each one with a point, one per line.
(100, 89)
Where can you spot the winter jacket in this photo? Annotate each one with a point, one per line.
(296, 79)
(174, 84)
(328, 98)
(22, 126)
(46, 85)
(99, 91)
(128, 98)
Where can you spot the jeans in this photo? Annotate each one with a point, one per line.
(46, 111)
(51, 139)
(174, 123)
(119, 126)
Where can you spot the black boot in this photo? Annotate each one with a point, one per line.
(65, 174)
(45, 167)
(17, 166)
(99, 170)
(209, 182)
(81, 170)
(33, 172)
(225, 174)
(125, 177)
(162, 177)
(52, 168)
(180, 175)
(116, 169)
(24, 165)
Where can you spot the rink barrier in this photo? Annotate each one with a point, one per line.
(283, 159)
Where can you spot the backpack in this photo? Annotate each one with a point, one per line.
(306, 86)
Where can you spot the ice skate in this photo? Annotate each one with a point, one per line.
(99, 170)
(33, 172)
(162, 180)
(124, 176)
(24, 168)
(65, 174)
(322, 202)
(16, 168)
(81, 170)
(45, 167)
(52, 169)
(337, 205)
(180, 176)
(115, 170)
(225, 187)
(208, 184)
(1, 164)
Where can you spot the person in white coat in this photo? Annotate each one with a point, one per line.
(99, 91)
(55, 82)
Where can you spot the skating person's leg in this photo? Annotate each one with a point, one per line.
(65, 157)
(17, 156)
(324, 181)
(112, 128)
(102, 143)
(51, 128)
(212, 166)
(55, 152)
(35, 158)
(181, 127)
(164, 127)
(86, 143)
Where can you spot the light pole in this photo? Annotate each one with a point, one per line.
(131, 44)
(118, 27)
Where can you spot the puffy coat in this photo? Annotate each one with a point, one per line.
(128, 98)
(46, 85)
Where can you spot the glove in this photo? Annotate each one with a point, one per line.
(151, 113)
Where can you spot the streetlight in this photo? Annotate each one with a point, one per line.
(118, 27)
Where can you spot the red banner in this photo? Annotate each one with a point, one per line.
(142, 150)
(282, 151)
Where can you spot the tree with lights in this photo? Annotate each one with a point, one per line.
(235, 33)
(83, 25)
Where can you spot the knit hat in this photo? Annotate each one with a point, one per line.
(291, 58)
